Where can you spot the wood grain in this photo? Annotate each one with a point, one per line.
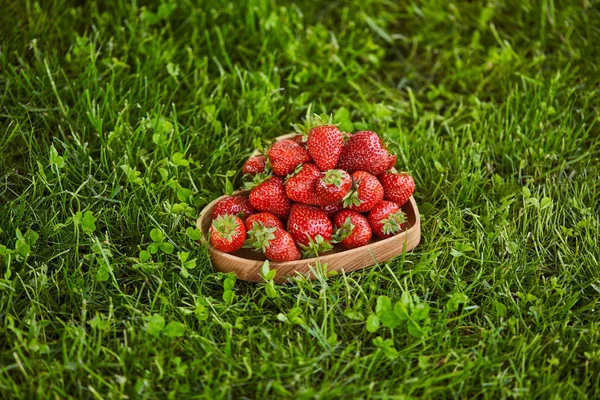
(246, 263)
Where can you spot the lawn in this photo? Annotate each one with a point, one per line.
(120, 120)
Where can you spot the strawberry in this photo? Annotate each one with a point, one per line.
(282, 247)
(364, 151)
(331, 209)
(286, 155)
(274, 242)
(332, 186)
(397, 187)
(227, 233)
(311, 229)
(386, 219)
(325, 145)
(366, 192)
(269, 196)
(233, 205)
(300, 187)
(265, 219)
(353, 229)
(254, 165)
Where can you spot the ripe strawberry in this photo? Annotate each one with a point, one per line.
(254, 165)
(269, 196)
(325, 145)
(265, 219)
(353, 229)
(332, 186)
(311, 229)
(331, 209)
(274, 242)
(233, 205)
(397, 187)
(386, 219)
(301, 186)
(227, 233)
(364, 151)
(367, 192)
(286, 155)
(282, 248)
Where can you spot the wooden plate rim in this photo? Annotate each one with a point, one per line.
(413, 229)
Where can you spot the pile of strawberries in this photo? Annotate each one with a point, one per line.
(330, 187)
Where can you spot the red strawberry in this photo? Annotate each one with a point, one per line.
(311, 229)
(386, 219)
(397, 187)
(282, 247)
(227, 233)
(332, 186)
(265, 219)
(391, 161)
(301, 186)
(367, 192)
(269, 196)
(353, 229)
(325, 145)
(286, 155)
(275, 243)
(254, 165)
(364, 151)
(233, 205)
(331, 209)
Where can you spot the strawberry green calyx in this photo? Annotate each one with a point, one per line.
(296, 172)
(312, 120)
(316, 246)
(393, 223)
(343, 231)
(334, 177)
(267, 163)
(351, 199)
(259, 237)
(225, 226)
(257, 180)
(262, 150)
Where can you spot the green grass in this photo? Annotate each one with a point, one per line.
(492, 106)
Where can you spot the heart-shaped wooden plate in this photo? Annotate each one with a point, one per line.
(246, 263)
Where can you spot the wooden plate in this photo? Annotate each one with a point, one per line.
(246, 263)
